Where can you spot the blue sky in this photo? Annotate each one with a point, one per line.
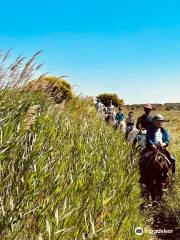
(128, 47)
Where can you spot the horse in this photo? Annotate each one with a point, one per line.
(137, 138)
(110, 118)
(120, 126)
(155, 173)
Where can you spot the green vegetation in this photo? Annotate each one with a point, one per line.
(64, 174)
(55, 87)
(172, 199)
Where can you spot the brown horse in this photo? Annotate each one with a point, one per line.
(155, 171)
(110, 119)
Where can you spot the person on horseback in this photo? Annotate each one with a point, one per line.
(119, 117)
(110, 113)
(138, 134)
(145, 121)
(130, 121)
(98, 105)
(157, 139)
(110, 107)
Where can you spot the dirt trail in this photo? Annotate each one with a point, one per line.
(163, 227)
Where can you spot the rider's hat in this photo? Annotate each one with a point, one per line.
(158, 117)
(148, 105)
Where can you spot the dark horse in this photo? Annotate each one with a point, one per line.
(155, 173)
(109, 118)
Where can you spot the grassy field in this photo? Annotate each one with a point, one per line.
(64, 173)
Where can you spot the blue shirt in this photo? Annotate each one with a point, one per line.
(119, 116)
(151, 134)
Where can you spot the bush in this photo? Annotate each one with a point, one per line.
(106, 98)
(55, 87)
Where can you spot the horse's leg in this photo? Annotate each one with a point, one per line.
(115, 126)
(134, 143)
(107, 119)
(159, 191)
(145, 192)
(158, 186)
(144, 181)
(152, 191)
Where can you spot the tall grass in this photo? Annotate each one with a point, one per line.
(172, 198)
(63, 174)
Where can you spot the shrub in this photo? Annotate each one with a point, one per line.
(55, 87)
(106, 98)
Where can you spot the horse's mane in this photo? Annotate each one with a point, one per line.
(160, 160)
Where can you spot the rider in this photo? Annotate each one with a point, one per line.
(119, 115)
(145, 121)
(98, 105)
(110, 110)
(130, 121)
(158, 138)
(110, 107)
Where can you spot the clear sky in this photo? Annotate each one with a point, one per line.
(130, 47)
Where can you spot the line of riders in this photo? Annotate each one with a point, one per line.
(156, 162)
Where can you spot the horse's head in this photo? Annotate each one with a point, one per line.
(161, 161)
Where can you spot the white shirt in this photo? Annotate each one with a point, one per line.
(158, 136)
(110, 108)
(98, 105)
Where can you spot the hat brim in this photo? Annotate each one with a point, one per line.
(160, 120)
(148, 108)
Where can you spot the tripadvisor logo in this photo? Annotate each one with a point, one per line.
(139, 231)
